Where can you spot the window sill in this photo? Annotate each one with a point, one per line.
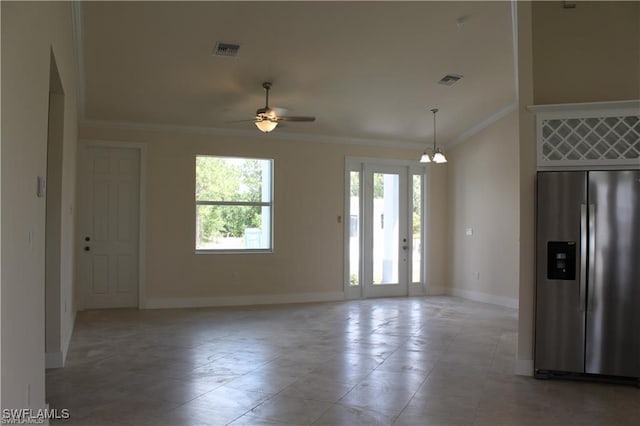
(244, 251)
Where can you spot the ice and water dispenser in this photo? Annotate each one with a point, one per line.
(561, 260)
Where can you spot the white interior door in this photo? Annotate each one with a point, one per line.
(386, 232)
(109, 229)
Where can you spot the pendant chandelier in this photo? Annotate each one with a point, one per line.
(437, 157)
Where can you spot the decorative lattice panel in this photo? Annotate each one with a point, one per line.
(579, 140)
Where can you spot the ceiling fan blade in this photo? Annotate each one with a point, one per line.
(294, 118)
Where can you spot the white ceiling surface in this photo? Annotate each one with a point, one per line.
(365, 70)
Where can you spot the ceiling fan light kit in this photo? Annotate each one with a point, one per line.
(267, 118)
(438, 157)
(266, 125)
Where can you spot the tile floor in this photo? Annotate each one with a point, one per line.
(400, 361)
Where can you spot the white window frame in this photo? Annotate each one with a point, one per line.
(268, 204)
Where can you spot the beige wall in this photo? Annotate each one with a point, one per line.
(437, 229)
(587, 54)
(308, 260)
(30, 32)
(483, 196)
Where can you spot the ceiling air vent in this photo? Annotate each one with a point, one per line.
(450, 79)
(226, 49)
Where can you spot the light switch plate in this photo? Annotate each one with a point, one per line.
(42, 187)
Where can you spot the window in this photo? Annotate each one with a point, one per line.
(416, 225)
(354, 228)
(234, 203)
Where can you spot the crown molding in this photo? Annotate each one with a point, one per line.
(472, 131)
(216, 131)
(632, 104)
(304, 137)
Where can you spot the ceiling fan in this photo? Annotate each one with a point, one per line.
(267, 118)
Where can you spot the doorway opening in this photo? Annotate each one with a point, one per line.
(54, 354)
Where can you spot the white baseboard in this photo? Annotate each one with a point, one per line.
(67, 340)
(53, 360)
(416, 290)
(274, 299)
(484, 297)
(57, 359)
(524, 367)
(433, 290)
(258, 299)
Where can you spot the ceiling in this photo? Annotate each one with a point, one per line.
(366, 70)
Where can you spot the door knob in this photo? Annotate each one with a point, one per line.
(87, 248)
(405, 247)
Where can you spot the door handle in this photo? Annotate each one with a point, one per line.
(584, 241)
(87, 248)
(592, 253)
(405, 247)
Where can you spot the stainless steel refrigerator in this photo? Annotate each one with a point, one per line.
(588, 273)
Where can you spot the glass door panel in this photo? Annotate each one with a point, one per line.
(416, 228)
(386, 222)
(354, 228)
(386, 231)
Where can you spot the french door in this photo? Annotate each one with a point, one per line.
(385, 238)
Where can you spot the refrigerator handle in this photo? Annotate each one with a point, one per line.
(592, 253)
(583, 256)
